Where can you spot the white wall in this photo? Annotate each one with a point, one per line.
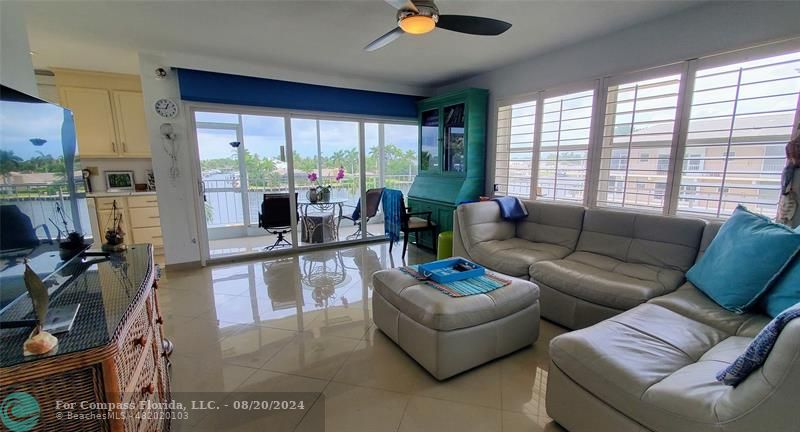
(16, 68)
(708, 29)
(175, 196)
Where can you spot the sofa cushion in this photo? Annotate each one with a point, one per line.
(758, 350)
(515, 256)
(667, 242)
(553, 223)
(605, 280)
(786, 291)
(481, 222)
(745, 258)
(645, 359)
(709, 232)
(692, 303)
(435, 310)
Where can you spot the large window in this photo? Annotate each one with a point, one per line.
(545, 148)
(564, 146)
(516, 125)
(697, 137)
(742, 115)
(244, 156)
(639, 124)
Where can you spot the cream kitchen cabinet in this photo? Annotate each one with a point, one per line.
(109, 113)
(140, 218)
(94, 121)
(131, 125)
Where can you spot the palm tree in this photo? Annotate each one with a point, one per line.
(8, 162)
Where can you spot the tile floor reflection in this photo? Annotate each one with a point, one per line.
(304, 324)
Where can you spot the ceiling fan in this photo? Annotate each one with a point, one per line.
(422, 16)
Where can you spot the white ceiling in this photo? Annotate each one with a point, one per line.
(326, 37)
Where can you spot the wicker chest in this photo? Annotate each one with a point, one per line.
(110, 373)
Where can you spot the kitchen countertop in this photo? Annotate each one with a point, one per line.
(114, 194)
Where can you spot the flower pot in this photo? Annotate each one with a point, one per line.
(312, 195)
(325, 194)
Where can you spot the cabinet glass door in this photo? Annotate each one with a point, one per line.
(454, 148)
(429, 142)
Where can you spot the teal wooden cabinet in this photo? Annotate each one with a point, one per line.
(452, 156)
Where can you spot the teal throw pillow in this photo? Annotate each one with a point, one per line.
(786, 291)
(745, 258)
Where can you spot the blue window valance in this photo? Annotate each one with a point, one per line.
(213, 87)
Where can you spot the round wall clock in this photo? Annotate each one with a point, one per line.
(166, 108)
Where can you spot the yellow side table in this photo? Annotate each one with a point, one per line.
(445, 245)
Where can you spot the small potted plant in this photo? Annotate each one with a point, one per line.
(312, 194)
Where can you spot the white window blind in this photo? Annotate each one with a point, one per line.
(638, 135)
(516, 125)
(564, 146)
(742, 116)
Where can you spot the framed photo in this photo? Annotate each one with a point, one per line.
(119, 181)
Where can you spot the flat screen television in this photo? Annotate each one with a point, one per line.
(42, 193)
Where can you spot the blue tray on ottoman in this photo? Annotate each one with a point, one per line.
(444, 271)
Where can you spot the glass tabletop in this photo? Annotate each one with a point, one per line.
(305, 201)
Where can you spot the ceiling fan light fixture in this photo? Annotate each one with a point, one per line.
(417, 24)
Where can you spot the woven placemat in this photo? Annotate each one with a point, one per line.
(467, 287)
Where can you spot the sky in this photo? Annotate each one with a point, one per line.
(19, 122)
(264, 135)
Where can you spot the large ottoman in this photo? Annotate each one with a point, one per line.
(448, 335)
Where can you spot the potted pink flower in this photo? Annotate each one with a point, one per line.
(313, 194)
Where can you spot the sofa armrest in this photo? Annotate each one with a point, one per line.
(458, 242)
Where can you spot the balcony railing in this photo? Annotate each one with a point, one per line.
(224, 206)
(39, 202)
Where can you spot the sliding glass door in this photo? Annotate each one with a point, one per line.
(329, 164)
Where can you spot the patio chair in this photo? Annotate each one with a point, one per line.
(373, 204)
(276, 217)
(416, 222)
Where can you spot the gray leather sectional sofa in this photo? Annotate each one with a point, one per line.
(647, 344)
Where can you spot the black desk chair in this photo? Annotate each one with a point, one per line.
(276, 217)
(373, 204)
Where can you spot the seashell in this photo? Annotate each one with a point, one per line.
(43, 342)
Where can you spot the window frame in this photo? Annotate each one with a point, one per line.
(539, 97)
(687, 70)
(643, 75)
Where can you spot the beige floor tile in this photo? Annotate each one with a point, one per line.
(207, 374)
(228, 321)
(252, 345)
(311, 356)
(378, 363)
(355, 409)
(480, 386)
(524, 384)
(265, 385)
(185, 303)
(235, 309)
(524, 374)
(198, 337)
(349, 322)
(517, 422)
(425, 414)
(264, 381)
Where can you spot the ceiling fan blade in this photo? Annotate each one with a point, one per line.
(473, 25)
(385, 39)
(403, 5)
